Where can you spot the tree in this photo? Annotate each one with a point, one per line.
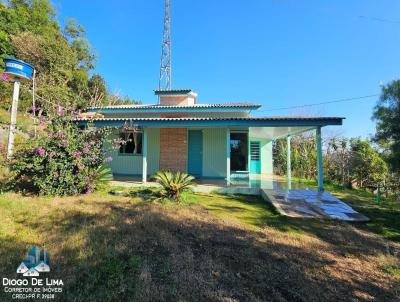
(97, 90)
(387, 116)
(367, 166)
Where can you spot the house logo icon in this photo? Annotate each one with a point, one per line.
(37, 261)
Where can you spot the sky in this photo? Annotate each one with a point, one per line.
(277, 53)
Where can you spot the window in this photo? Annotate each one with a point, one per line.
(255, 150)
(133, 143)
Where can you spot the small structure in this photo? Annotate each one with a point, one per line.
(217, 141)
(22, 268)
(42, 267)
(32, 272)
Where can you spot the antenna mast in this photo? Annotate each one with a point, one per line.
(165, 65)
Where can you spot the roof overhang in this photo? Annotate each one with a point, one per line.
(308, 122)
(270, 133)
(174, 92)
(188, 108)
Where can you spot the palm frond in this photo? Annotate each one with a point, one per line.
(173, 184)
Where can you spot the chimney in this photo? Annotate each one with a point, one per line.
(177, 97)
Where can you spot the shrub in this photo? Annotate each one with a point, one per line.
(64, 161)
(173, 184)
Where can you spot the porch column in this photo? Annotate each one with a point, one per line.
(228, 156)
(319, 161)
(288, 163)
(144, 155)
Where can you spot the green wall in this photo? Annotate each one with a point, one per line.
(153, 151)
(132, 164)
(214, 155)
(266, 156)
(214, 152)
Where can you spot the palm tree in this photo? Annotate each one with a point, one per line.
(173, 184)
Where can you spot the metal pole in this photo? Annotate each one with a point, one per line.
(319, 161)
(228, 157)
(13, 121)
(34, 101)
(378, 193)
(144, 151)
(289, 164)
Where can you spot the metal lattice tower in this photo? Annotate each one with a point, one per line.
(165, 65)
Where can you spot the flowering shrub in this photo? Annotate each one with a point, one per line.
(64, 161)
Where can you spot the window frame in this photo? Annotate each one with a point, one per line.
(126, 137)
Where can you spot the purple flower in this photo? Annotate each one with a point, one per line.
(60, 110)
(4, 77)
(86, 148)
(78, 154)
(109, 158)
(41, 151)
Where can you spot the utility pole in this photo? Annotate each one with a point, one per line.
(13, 122)
(165, 64)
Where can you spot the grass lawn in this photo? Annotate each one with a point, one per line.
(209, 248)
(24, 122)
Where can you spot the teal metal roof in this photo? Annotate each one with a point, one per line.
(173, 108)
(172, 91)
(215, 122)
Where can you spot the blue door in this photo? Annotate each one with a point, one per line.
(195, 153)
(255, 158)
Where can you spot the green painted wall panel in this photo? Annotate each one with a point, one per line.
(153, 151)
(132, 164)
(214, 152)
(266, 157)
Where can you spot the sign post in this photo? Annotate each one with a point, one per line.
(13, 121)
(16, 70)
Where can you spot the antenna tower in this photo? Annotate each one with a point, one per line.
(165, 65)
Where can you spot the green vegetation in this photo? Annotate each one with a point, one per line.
(209, 247)
(24, 122)
(387, 116)
(62, 161)
(353, 162)
(61, 55)
(173, 184)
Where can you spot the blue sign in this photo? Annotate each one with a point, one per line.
(18, 68)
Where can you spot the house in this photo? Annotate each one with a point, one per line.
(22, 268)
(32, 272)
(42, 267)
(37, 261)
(215, 141)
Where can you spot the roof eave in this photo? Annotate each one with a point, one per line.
(174, 109)
(229, 122)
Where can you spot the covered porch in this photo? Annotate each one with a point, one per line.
(228, 150)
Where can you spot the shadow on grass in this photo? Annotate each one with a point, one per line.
(342, 236)
(149, 252)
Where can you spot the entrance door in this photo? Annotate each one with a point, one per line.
(239, 151)
(195, 153)
(255, 158)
